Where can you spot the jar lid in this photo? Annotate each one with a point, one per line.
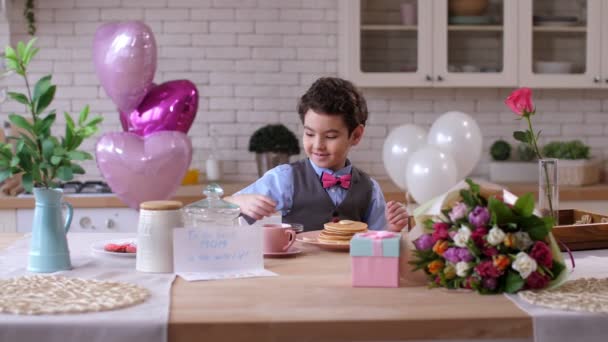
(161, 205)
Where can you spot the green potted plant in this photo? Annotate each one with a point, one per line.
(273, 145)
(575, 167)
(506, 167)
(43, 160)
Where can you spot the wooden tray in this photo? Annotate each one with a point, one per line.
(578, 236)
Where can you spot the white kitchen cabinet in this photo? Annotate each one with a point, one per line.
(440, 50)
(8, 221)
(569, 34)
(92, 220)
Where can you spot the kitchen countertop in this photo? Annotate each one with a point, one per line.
(192, 193)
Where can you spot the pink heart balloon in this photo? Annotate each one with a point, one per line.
(170, 106)
(124, 54)
(140, 169)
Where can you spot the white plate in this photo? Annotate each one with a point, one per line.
(98, 247)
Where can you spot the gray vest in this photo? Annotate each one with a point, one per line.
(312, 205)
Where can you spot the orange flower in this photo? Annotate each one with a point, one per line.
(435, 266)
(509, 240)
(501, 261)
(440, 247)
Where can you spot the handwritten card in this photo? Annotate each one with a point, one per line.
(219, 252)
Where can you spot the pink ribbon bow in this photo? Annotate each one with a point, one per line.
(331, 180)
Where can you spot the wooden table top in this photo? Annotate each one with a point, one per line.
(312, 299)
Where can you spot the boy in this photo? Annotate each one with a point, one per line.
(324, 187)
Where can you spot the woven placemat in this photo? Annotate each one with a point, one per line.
(585, 294)
(37, 295)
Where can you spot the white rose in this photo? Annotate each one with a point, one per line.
(462, 236)
(524, 264)
(495, 236)
(523, 241)
(462, 269)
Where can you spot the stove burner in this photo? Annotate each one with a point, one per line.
(88, 187)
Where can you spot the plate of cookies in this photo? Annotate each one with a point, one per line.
(334, 236)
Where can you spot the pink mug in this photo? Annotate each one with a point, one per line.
(278, 238)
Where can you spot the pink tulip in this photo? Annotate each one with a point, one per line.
(520, 102)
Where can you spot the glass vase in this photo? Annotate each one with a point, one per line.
(548, 188)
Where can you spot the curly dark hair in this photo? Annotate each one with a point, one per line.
(335, 96)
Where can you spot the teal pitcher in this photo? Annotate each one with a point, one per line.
(49, 246)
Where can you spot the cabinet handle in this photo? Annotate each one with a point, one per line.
(110, 223)
(439, 78)
(429, 78)
(596, 79)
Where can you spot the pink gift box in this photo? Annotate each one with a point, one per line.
(375, 259)
(374, 271)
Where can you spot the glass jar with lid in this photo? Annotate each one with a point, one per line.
(211, 209)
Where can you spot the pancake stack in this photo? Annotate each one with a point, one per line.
(341, 232)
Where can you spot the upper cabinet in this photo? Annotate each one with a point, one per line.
(429, 43)
(476, 43)
(563, 43)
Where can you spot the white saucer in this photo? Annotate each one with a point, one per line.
(291, 252)
(98, 247)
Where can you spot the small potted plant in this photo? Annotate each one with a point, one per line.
(43, 160)
(273, 145)
(507, 167)
(575, 167)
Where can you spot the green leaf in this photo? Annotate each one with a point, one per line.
(77, 169)
(41, 87)
(4, 174)
(88, 131)
(521, 136)
(473, 186)
(468, 198)
(30, 52)
(19, 146)
(514, 282)
(503, 214)
(9, 52)
(21, 122)
(20, 50)
(96, 121)
(56, 160)
(524, 206)
(69, 121)
(45, 99)
(27, 182)
(84, 114)
(78, 155)
(21, 98)
(42, 127)
(36, 173)
(48, 146)
(30, 143)
(535, 226)
(65, 173)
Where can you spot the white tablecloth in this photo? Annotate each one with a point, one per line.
(144, 322)
(551, 325)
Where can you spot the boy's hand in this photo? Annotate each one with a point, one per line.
(254, 206)
(396, 216)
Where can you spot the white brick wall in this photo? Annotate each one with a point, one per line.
(250, 60)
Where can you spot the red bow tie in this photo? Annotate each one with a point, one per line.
(331, 180)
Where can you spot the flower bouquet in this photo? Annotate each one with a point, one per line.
(487, 241)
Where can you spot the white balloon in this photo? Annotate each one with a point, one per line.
(458, 134)
(430, 172)
(399, 145)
